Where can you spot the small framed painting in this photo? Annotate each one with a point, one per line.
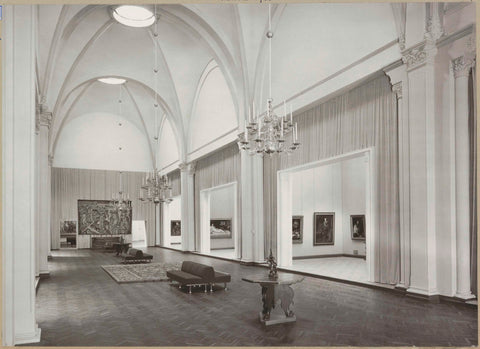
(220, 228)
(297, 229)
(323, 228)
(357, 223)
(175, 228)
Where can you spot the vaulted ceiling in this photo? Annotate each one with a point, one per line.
(77, 44)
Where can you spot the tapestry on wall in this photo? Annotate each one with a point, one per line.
(100, 217)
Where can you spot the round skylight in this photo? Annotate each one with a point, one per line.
(112, 81)
(134, 16)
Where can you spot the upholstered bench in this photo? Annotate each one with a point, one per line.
(196, 274)
(136, 256)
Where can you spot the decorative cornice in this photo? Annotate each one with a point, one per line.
(397, 89)
(419, 55)
(461, 66)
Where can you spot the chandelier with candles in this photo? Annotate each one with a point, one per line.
(156, 188)
(269, 133)
(121, 200)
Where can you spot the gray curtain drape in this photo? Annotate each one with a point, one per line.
(219, 168)
(472, 105)
(364, 117)
(176, 184)
(70, 185)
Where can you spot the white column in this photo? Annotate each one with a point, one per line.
(18, 183)
(252, 239)
(158, 223)
(49, 197)
(422, 177)
(187, 172)
(399, 81)
(461, 68)
(284, 220)
(43, 121)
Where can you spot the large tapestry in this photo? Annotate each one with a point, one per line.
(100, 217)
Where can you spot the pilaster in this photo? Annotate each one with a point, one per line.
(43, 122)
(420, 70)
(252, 240)
(18, 175)
(187, 173)
(461, 69)
(399, 81)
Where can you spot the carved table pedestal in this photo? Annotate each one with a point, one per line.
(273, 291)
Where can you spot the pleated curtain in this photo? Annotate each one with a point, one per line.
(175, 182)
(70, 185)
(219, 168)
(364, 117)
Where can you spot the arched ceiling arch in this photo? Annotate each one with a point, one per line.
(78, 43)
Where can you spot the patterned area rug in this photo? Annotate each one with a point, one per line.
(148, 272)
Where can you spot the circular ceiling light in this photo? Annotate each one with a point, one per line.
(112, 81)
(134, 16)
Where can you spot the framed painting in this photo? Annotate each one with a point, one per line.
(323, 228)
(357, 223)
(297, 229)
(220, 228)
(175, 228)
(68, 228)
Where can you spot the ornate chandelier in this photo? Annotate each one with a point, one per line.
(269, 133)
(121, 200)
(156, 188)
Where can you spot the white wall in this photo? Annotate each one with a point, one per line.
(222, 205)
(339, 188)
(317, 190)
(214, 113)
(167, 147)
(93, 140)
(353, 200)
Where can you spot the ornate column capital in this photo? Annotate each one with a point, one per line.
(42, 117)
(187, 167)
(397, 89)
(461, 66)
(434, 28)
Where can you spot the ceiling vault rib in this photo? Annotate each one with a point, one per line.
(87, 46)
(143, 124)
(261, 62)
(52, 54)
(172, 86)
(67, 114)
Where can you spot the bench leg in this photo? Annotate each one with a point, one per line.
(189, 289)
(225, 285)
(205, 288)
(211, 287)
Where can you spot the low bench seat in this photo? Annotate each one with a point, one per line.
(136, 256)
(196, 274)
(184, 278)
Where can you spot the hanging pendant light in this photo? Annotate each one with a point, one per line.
(269, 133)
(155, 188)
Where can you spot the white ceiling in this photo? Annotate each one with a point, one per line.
(78, 44)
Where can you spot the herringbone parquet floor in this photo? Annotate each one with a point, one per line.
(80, 305)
